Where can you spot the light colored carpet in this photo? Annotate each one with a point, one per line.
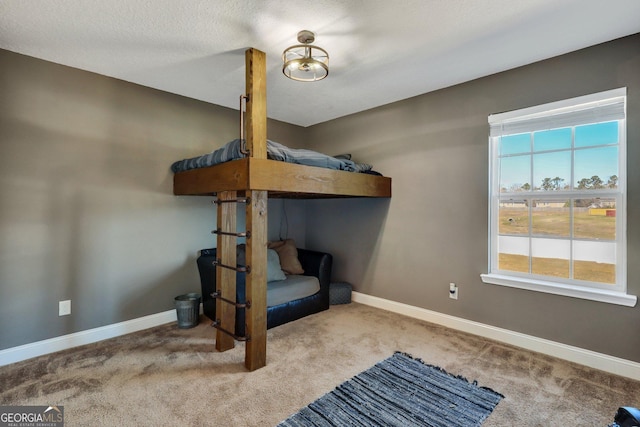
(167, 376)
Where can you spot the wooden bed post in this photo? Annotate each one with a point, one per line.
(226, 278)
(256, 281)
(256, 124)
(256, 251)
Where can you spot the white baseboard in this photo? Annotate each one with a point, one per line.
(27, 351)
(589, 358)
(584, 357)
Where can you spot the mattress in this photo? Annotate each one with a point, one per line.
(275, 151)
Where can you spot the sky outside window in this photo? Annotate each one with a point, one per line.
(601, 161)
(554, 139)
(596, 134)
(514, 144)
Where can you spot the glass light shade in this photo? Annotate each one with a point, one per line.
(305, 63)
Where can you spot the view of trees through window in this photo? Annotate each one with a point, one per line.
(557, 202)
(557, 183)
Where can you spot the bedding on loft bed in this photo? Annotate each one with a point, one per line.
(275, 151)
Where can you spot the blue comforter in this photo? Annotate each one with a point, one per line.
(275, 151)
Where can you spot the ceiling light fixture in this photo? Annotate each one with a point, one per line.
(305, 62)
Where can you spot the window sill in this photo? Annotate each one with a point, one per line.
(600, 295)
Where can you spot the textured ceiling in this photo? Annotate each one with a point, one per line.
(380, 51)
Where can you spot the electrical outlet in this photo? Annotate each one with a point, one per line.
(453, 291)
(64, 308)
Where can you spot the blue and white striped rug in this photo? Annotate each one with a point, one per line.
(400, 391)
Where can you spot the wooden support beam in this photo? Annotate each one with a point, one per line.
(256, 119)
(288, 177)
(256, 252)
(256, 218)
(229, 176)
(226, 278)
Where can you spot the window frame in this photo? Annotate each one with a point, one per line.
(555, 111)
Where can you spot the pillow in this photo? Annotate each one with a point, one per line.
(274, 273)
(362, 167)
(288, 254)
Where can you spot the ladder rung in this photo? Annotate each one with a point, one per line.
(237, 200)
(217, 295)
(246, 234)
(216, 324)
(242, 269)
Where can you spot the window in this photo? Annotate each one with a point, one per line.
(557, 198)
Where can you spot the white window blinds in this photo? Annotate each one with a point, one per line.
(594, 108)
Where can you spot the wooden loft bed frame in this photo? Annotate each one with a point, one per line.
(252, 180)
(280, 179)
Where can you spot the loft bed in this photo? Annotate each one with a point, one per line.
(286, 173)
(251, 180)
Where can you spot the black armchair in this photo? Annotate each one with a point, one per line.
(314, 263)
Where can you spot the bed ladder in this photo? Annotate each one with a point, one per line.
(256, 234)
(226, 266)
(255, 271)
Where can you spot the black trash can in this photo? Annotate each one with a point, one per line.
(188, 310)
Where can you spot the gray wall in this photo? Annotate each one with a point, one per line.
(86, 205)
(434, 229)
